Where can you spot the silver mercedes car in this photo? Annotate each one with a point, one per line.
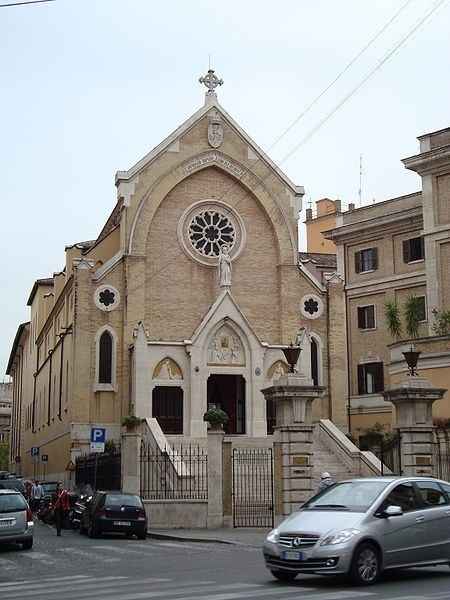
(361, 527)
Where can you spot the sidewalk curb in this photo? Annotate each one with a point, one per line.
(183, 538)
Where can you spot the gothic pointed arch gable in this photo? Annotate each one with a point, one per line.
(282, 215)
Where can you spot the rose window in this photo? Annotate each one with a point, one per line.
(311, 306)
(209, 230)
(106, 297)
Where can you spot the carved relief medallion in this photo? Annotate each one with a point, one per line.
(215, 130)
(226, 348)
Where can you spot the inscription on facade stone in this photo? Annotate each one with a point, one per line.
(213, 158)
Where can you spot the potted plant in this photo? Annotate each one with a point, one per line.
(216, 418)
(131, 422)
(412, 315)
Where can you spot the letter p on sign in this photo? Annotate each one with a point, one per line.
(98, 435)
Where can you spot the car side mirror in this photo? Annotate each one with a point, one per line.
(393, 511)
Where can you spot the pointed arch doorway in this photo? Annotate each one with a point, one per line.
(227, 392)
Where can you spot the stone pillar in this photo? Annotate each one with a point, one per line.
(294, 437)
(215, 479)
(227, 470)
(131, 462)
(413, 400)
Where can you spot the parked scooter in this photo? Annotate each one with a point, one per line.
(76, 511)
(45, 511)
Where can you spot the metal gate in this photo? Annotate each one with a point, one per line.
(253, 487)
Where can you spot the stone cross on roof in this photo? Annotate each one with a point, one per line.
(211, 81)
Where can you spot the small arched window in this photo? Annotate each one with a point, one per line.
(105, 356)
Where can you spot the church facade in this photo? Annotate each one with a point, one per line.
(183, 301)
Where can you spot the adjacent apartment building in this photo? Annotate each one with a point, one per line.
(390, 251)
(5, 411)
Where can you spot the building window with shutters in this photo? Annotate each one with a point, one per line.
(370, 378)
(413, 250)
(366, 260)
(366, 317)
(105, 379)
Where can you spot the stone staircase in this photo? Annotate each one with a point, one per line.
(336, 454)
(325, 460)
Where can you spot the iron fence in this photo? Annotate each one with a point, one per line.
(387, 450)
(174, 473)
(100, 471)
(441, 454)
(253, 504)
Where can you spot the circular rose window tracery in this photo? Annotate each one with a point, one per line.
(209, 230)
(206, 226)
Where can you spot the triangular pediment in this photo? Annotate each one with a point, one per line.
(225, 310)
(170, 143)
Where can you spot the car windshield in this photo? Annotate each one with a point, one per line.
(123, 500)
(12, 503)
(355, 496)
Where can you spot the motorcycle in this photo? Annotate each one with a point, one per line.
(45, 511)
(76, 511)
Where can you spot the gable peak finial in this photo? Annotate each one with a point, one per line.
(210, 81)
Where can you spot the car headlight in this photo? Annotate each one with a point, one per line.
(273, 536)
(340, 537)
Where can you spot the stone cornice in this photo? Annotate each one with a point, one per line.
(428, 162)
(383, 224)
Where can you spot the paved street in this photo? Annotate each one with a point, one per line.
(113, 568)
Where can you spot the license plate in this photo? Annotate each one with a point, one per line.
(291, 555)
(7, 522)
(122, 523)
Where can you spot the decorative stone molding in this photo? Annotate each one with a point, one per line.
(205, 226)
(311, 306)
(106, 298)
(215, 129)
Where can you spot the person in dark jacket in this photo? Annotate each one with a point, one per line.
(61, 506)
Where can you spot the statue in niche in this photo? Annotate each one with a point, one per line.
(224, 267)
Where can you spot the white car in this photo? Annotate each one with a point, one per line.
(16, 520)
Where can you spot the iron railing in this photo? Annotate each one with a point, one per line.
(100, 471)
(388, 451)
(174, 473)
(253, 504)
(441, 454)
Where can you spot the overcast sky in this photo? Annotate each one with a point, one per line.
(90, 86)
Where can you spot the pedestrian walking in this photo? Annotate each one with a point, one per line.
(325, 481)
(37, 493)
(61, 506)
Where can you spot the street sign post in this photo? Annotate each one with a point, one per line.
(44, 458)
(98, 439)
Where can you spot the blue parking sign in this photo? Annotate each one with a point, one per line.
(34, 451)
(98, 435)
